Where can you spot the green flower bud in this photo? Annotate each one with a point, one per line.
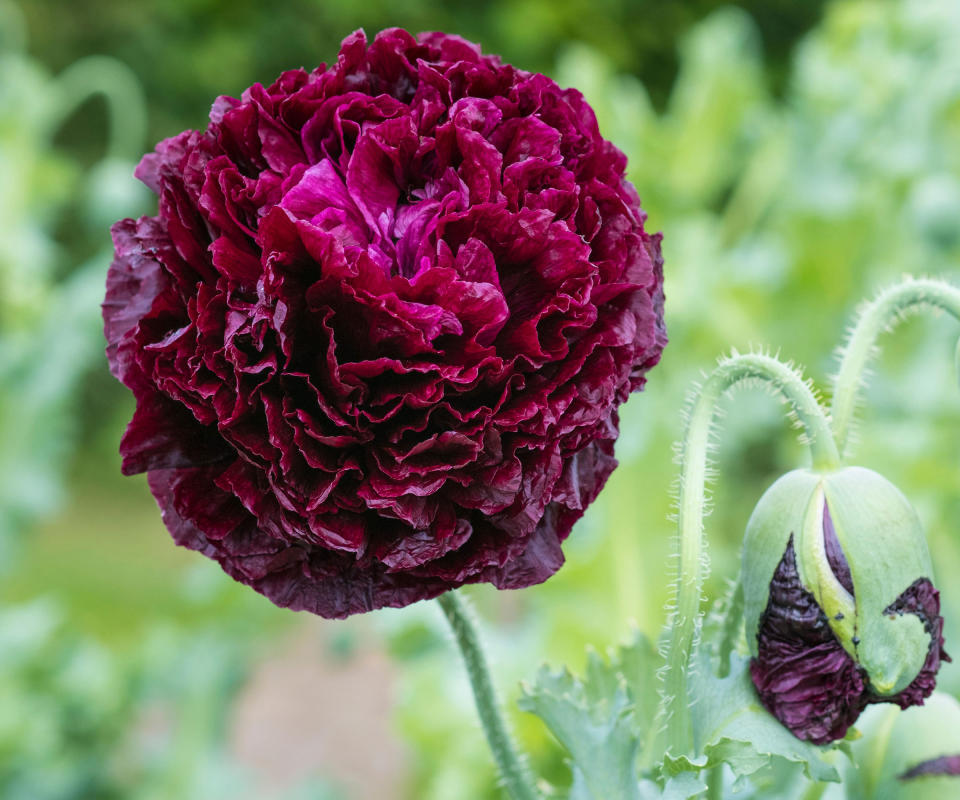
(840, 606)
(908, 755)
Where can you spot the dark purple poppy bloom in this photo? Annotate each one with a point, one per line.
(380, 328)
(849, 616)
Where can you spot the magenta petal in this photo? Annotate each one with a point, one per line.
(320, 188)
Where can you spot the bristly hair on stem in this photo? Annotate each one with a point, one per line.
(702, 415)
(875, 317)
(511, 764)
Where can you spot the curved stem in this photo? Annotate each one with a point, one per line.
(683, 628)
(120, 88)
(879, 315)
(513, 770)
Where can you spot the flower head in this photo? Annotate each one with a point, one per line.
(380, 328)
(840, 607)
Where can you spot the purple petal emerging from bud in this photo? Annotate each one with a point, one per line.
(835, 557)
(922, 599)
(803, 675)
(945, 765)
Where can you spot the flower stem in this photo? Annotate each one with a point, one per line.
(814, 791)
(513, 770)
(683, 628)
(877, 316)
(715, 783)
(126, 107)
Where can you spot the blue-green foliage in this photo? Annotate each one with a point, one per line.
(50, 330)
(79, 721)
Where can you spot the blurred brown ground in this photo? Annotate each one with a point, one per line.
(308, 711)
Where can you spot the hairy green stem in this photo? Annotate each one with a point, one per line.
(879, 315)
(513, 770)
(683, 628)
(715, 783)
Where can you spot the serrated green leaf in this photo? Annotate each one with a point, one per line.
(594, 724)
(732, 727)
(600, 718)
(674, 766)
(683, 787)
(602, 680)
(638, 663)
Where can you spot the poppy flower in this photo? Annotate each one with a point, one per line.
(380, 327)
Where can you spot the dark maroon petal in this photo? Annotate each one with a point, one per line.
(923, 600)
(944, 765)
(835, 556)
(164, 434)
(380, 327)
(802, 674)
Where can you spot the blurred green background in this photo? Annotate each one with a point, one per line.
(798, 156)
